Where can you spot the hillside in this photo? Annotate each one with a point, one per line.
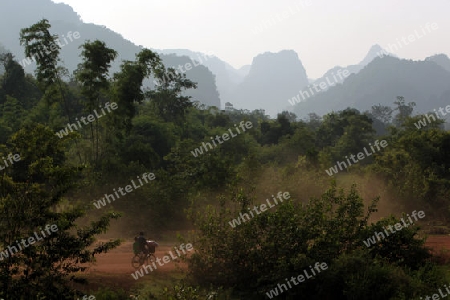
(243, 199)
(64, 19)
(272, 78)
(423, 82)
(440, 59)
(352, 69)
(227, 77)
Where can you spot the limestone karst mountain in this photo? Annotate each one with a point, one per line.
(380, 82)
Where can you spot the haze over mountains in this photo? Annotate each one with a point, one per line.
(63, 19)
(425, 82)
(268, 83)
(273, 78)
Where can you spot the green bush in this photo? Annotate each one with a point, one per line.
(107, 294)
(255, 256)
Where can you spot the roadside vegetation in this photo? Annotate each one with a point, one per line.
(326, 219)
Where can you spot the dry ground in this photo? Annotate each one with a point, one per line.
(113, 269)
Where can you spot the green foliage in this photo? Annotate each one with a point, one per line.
(127, 86)
(345, 132)
(155, 130)
(13, 80)
(31, 190)
(185, 292)
(92, 72)
(92, 75)
(383, 113)
(12, 113)
(107, 294)
(167, 99)
(416, 167)
(212, 169)
(394, 249)
(255, 256)
(404, 110)
(41, 45)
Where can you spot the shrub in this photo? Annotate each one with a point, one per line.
(253, 257)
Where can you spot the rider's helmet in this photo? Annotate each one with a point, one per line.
(141, 233)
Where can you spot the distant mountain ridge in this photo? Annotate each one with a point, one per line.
(271, 79)
(287, 78)
(441, 60)
(380, 82)
(63, 19)
(268, 83)
(373, 53)
(227, 77)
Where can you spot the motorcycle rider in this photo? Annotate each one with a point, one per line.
(142, 241)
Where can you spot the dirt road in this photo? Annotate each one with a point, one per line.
(114, 269)
(118, 261)
(438, 242)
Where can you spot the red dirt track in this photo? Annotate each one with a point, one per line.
(438, 242)
(114, 269)
(118, 261)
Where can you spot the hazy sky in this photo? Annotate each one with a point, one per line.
(324, 33)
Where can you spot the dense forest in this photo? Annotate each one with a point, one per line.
(331, 190)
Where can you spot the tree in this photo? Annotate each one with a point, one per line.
(92, 75)
(30, 193)
(13, 80)
(167, 98)
(381, 116)
(382, 113)
(253, 257)
(127, 87)
(12, 113)
(344, 132)
(404, 110)
(416, 166)
(14, 83)
(42, 47)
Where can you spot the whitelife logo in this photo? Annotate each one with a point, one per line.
(235, 222)
(274, 292)
(29, 60)
(372, 240)
(91, 118)
(166, 259)
(10, 158)
(171, 75)
(411, 38)
(360, 155)
(31, 241)
(280, 17)
(436, 296)
(86, 297)
(225, 137)
(128, 189)
(323, 85)
(423, 122)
